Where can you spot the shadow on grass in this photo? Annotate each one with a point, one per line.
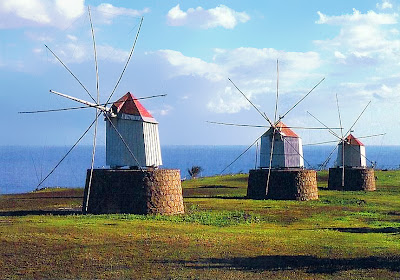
(310, 264)
(235, 179)
(369, 230)
(44, 197)
(40, 212)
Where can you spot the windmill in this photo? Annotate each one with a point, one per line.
(132, 141)
(350, 171)
(281, 174)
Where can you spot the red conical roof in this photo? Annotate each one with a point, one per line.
(353, 140)
(128, 104)
(286, 131)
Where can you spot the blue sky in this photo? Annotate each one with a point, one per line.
(188, 50)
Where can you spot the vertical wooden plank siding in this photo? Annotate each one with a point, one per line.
(116, 152)
(278, 159)
(301, 152)
(142, 139)
(354, 156)
(293, 152)
(288, 152)
(363, 156)
(152, 144)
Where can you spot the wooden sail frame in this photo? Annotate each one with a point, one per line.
(99, 108)
(272, 125)
(342, 139)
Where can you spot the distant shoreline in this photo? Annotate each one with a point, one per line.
(22, 167)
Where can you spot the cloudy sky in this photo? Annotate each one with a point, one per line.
(188, 50)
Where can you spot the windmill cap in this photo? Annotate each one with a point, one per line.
(128, 104)
(284, 130)
(353, 140)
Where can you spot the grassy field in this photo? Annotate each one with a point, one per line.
(344, 235)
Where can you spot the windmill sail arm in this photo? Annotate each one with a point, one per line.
(248, 148)
(298, 102)
(252, 104)
(90, 104)
(321, 143)
(237, 124)
(358, 118)
(329, 129)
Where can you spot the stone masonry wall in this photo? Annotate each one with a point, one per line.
(292, 184)
(355, 179)
(133, 191)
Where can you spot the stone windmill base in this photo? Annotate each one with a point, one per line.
(156, 191)
(355, 179)
(284, 184)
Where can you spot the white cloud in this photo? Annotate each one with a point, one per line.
(384, 5)
(394, 31)
(253, 70)
(58, 13)
(72, 37)
(167, 109)
(41, 37)
(110, 53)
(364, 39)
(20, 13)
(107, 12)
(376, 89)
(176, 16)
(339, 55)
(227, 100)
(192, 66)
(363, 56)
(74, 52)
(240, 63)
(27, 10)
(357, 17)
(219, 16)
(70, 9)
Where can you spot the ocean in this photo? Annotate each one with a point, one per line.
(23, 167)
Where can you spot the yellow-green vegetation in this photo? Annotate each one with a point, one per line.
(223, 235)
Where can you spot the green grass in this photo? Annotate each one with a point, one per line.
(217, 186)
(222, 235)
